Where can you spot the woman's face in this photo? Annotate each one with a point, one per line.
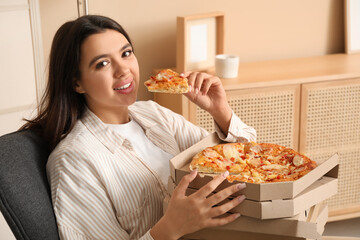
(109, 72)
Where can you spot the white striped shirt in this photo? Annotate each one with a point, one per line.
(101, 189)
(154, 156)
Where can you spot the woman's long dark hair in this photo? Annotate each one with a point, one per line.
(61, 105)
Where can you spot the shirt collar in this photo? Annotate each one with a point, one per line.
(112, 140)
(106, 135)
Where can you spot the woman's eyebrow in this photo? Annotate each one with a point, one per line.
(105, 55)
(96, 58)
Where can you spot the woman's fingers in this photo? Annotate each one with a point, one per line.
(206, 85)
(225, 193)
(180, 190)
(215, 222)
(221, 209)
(207, 189)
(198, 82)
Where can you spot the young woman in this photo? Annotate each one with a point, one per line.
(110, 161)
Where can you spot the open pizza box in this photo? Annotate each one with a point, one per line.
(308, 224)
(179, 167)
(319, 191)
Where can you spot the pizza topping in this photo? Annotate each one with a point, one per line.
(298, 160)
(255, 162)
(273, 158)
(208, 152)
(161, 76)
(231, 152)
(256, 149)
(299, 169)
(273, 166)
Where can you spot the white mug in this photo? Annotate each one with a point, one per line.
(226, 65)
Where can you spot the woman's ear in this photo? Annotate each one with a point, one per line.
(78, 88)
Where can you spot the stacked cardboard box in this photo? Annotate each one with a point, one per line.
(270, 209)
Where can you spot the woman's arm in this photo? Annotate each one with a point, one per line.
(208, 93)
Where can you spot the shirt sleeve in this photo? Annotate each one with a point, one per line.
(238, 131)
(81, 204)
(187, 133)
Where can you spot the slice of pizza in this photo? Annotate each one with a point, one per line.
(167, 81)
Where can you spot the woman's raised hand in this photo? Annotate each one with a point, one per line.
(208, 93)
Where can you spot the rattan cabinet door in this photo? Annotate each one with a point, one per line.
(273, 112)
(330, 123)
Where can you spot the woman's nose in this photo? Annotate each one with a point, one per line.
(120, 69)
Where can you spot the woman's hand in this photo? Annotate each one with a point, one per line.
(207, 92)
(187, 214)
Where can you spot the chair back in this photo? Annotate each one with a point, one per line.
(25, 198)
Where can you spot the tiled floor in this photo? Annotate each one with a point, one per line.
(348, 228)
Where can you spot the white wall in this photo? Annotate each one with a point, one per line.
(5, 231)
(17, 65)
(18, 83)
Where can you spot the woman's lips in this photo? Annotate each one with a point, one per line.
(123, 86)
(126, 88)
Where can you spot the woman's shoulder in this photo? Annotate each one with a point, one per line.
(76, 141)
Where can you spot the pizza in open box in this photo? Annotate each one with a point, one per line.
(253, 162)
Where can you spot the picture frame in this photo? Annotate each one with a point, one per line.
(199, 39)
(352, 26)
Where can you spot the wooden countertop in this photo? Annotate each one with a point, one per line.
(294, 71)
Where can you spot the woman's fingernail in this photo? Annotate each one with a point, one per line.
(225, 174)
(241, 198)
(196, 90)
(193, 172)
(190, 88)
(241, 186)
(236, 215)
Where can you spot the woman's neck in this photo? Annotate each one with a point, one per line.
(112, 115)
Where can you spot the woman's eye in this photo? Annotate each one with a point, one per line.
(127, 53)
(101, 64)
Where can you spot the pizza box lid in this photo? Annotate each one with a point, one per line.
(307, 224)
(179, 167)
(319, 191)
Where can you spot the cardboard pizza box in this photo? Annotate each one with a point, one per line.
(308, 224)
(211, 234)
(179, 167)
(319, 191)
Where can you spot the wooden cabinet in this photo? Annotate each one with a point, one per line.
(272, 111)
(310, 104)
(330, 122)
